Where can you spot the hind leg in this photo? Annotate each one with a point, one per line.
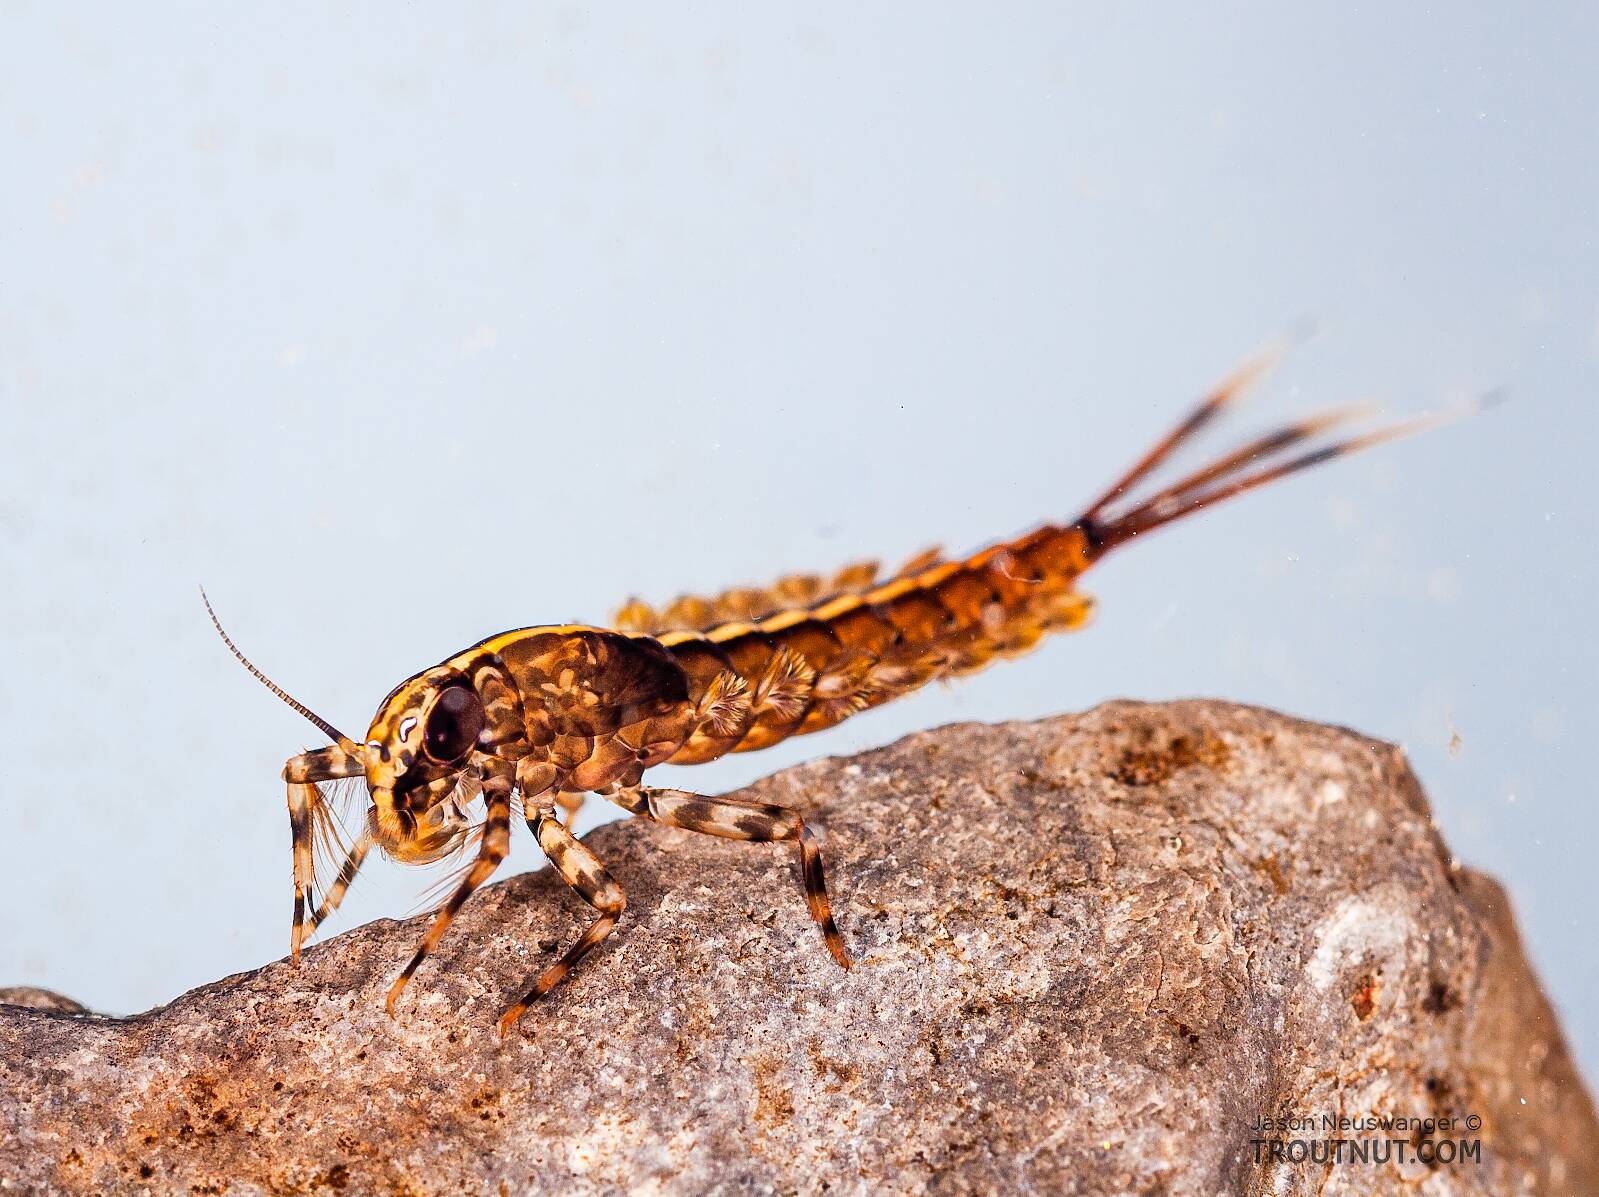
(736, 819)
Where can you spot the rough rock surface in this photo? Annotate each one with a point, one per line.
(1091, 952)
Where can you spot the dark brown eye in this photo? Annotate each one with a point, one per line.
(453, 725)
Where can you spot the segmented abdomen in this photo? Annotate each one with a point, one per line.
(805, 669)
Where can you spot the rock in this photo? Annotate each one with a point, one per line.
(1090, 954)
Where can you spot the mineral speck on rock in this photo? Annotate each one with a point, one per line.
(1092, 954)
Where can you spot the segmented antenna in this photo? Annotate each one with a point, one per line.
(328, 729)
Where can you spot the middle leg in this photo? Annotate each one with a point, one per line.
(582, 870)
(570, 801)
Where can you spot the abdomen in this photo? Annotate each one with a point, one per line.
(852, 652)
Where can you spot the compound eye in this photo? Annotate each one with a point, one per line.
(453, 725)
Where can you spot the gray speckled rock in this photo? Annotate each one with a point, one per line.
(1091, 953)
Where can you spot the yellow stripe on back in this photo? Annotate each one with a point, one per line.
(823, 612)
(498, 643)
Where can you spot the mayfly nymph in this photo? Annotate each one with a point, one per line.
(548, 714)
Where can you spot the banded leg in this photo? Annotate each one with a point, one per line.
(582, 870)
(341, 883)
(737, 819)
(495, 844)
(305, 799)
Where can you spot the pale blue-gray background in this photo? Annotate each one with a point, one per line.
(399, 327)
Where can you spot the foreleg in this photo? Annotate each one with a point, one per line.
(341, 883)
(305, 800)
(492, 849)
